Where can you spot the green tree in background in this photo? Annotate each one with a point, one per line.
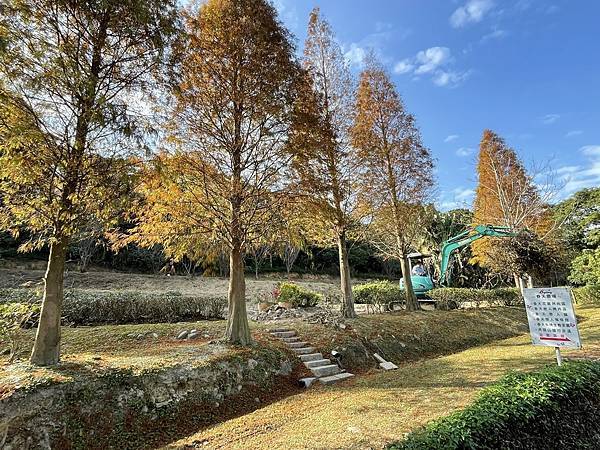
(579, 217)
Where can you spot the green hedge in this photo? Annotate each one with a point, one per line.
(587, 295)
(451, 298)
(377, 293)
(297, 296)
(557, 407)
(121, 307)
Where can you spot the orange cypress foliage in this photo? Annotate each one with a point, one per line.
(506, 195)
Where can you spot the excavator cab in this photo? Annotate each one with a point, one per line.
(421, 282)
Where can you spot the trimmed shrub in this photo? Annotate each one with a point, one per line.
(557, 407)
(587, 295)
(452, 298)
(121, 307)
(20, 295)
(13, 317)
(378, 293)
(297, 296)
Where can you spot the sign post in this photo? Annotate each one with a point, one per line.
(551, 317)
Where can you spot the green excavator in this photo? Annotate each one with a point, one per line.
(424, 283)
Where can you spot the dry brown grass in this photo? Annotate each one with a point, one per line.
(116, 281)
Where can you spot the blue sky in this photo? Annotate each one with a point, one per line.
(527, 69)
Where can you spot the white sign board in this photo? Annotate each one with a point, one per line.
(551, 317)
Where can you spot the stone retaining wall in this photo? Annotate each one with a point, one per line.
(112, 409)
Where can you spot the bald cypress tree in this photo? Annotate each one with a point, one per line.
(507, 195)
(222, 185)
(68, 73)
(325, 164)
(397, 174)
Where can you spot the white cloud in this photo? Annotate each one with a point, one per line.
(471, 12)
(579, 177)
(496, 33)
(432, 58)
(590, 150)
(385, 32)
(433, 62)
(451, 138)
(443, 78)
(550, 118)
(567, 169)
(464, 193)
(355, 55)
(465, 151)
(574, 133)
(403, 66)
(460, 197)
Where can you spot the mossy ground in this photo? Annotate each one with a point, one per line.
(375, 409)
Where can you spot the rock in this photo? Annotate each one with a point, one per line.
(252, 363)
(306, 382)
(257, 400)
(285, 369)
(154, 335)
(378, 358)
(388, 365)
(193, 335)
(183, 334)
(342, 326)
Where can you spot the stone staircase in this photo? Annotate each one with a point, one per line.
(322, 368)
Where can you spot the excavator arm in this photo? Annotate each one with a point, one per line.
(466, 238)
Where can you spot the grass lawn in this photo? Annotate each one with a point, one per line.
(373, 410)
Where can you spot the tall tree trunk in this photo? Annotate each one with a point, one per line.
(46, 349)
(345, 283)
(411, 299)
(238, 330)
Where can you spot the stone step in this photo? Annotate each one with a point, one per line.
(336, 378)
(292, 339)
(297, 344)
(325, 371)
(303, 350)
(279, 330)
(311, 357)
(317, 363)
(283, 334)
